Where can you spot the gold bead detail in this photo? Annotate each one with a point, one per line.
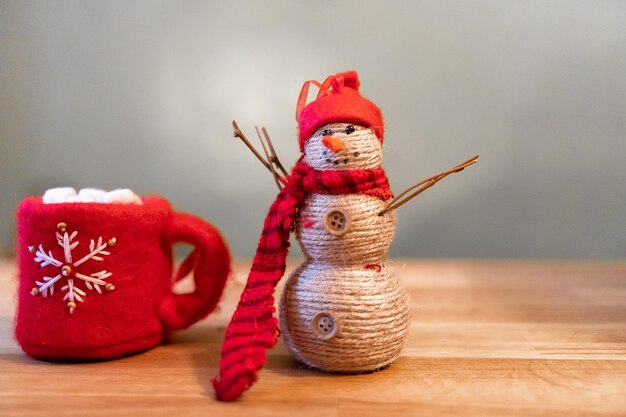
(72, 306)
(35, 292)
(66, 270)
(111, 242)
(109, 287)
(62, 227)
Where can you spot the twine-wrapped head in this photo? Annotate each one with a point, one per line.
(338, 101)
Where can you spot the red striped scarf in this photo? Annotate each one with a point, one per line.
(254, 328)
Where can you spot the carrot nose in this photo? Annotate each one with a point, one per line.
(332, 143)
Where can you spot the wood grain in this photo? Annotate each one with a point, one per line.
(487, 338)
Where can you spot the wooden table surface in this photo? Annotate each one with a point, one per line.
(486, 338)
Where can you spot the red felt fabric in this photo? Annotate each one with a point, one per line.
(141, 309)
(253, 328)
(342, 103)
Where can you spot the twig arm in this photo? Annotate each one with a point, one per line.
(425, 184)
(239, 134)
(275, 175)
(271, 157)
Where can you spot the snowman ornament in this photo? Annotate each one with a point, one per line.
(343, 309)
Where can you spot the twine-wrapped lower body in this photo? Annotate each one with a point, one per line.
(344, 319)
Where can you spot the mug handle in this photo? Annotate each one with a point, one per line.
(210, 261)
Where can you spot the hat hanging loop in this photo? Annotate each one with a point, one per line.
(334, 81)
(304, 93)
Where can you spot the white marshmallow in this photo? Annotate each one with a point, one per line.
(121, 196)
(93, 194)
(78, 199)
(90, 195)
(58, 195)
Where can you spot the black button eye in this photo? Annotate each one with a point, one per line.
(349, 129)
(326, 132)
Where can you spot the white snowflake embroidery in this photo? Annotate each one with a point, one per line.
(69, 268)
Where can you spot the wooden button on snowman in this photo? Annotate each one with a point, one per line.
(344, 309)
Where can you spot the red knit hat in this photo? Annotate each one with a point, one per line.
(338, 101)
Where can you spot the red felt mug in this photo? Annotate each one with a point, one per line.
(95, 280)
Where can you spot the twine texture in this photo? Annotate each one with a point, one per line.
(335, 212)
(345, 279)
(370, 309)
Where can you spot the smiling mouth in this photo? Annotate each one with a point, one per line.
(339, 160)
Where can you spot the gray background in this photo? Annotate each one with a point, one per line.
(141, 95)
